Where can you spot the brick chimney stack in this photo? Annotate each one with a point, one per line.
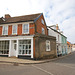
(7, 16)
(57, 27)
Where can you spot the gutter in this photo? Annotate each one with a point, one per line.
(17, 22)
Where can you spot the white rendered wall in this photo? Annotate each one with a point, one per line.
(17, 38)
(55, 34)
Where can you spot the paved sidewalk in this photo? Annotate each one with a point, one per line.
(17, 60)
(26, 61)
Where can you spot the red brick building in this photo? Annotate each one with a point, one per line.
(21, 36)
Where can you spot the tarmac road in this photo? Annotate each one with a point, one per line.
(63, 66)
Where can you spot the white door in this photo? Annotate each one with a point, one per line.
(14, 49)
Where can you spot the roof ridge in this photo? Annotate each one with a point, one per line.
(26, 15)
(57, 31)
(24, 18)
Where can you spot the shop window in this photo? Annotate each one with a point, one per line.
(4, 47)
(24, 47)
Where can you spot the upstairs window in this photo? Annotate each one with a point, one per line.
(48, 45)
(14, 29)
(25, 28)
(43, 31)
(5, 30)
(42, 21)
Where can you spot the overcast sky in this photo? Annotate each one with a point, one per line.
(61, 12)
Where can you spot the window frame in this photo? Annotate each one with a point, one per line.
(24, 47)
(4, 46)
(43, 30)
(58, 37)
(42, 21)
(48, 44)
(3, 30)
(23, 30)
(12, 30)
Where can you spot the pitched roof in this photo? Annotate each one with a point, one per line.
(68, 42)
(24, 18)
(56, 31)
(1, 20)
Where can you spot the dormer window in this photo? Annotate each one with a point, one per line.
(42, 21)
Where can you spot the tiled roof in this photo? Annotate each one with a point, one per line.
(1, 20)
(24, 18)
(68, 43)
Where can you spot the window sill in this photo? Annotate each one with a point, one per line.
(4, 34)
(25, 54)
(4, 54)
(14, 34)
(47, 51)
(25, 33)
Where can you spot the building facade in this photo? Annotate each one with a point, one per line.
(64, 45)
(73, 47)
(18, 37)
(52, 32)
(69, 47)
(61, 40)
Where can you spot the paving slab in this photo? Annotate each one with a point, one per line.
(26, 61)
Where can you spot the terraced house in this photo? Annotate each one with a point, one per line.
(61, 40)
(26, 36)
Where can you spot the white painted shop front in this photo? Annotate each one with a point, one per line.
(17, 45)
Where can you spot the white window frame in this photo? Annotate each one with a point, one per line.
(23, 30)
(12, 30)
(25, 49)
(6, 49)
(43, 31)
(3, 30)
(42, 21)
(48, 44)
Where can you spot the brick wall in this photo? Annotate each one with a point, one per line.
(39, 25)
(32, 29)
(19, 29)
(0, 30)
(10, 30)
(40, 47)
